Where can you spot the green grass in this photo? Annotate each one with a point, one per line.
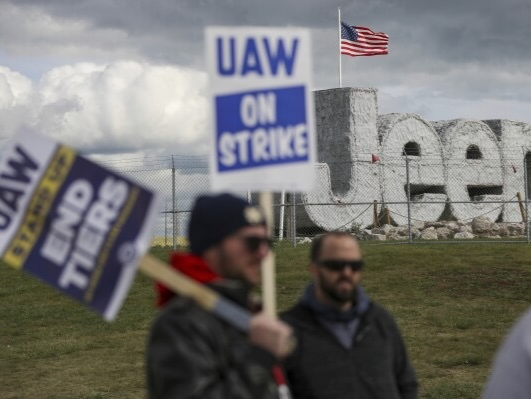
(454, 303)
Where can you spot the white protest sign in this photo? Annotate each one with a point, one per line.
(263, 112)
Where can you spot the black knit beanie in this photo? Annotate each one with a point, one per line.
(216, 217)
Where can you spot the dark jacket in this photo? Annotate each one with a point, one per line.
(193, 354)
(375, 367)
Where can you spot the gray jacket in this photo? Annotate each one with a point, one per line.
(511, 373)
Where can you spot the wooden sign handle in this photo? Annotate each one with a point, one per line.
(268, 264)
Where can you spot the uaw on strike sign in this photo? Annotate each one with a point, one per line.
(263, 120)
(71, 223)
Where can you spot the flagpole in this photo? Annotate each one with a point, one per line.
(339, 41)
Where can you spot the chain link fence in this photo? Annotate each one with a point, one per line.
(405, 199)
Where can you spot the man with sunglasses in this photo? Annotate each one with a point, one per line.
(348, 346)
(191, 352)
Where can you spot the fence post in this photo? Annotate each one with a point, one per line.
(375, 220)
(408, 185)
(294, 220)
(174, 214)
(526, 192)
(281, 215)
(166, 223)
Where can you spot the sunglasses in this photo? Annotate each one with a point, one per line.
(338, 265)
(253, 243)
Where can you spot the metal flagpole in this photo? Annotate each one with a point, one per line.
(526, 192)
(339, 41)
(173, 210)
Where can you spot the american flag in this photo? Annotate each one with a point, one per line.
(357, 41)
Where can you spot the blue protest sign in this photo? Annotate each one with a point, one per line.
(71, 223)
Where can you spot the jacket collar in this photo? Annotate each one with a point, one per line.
(327, 312)
(196, 268)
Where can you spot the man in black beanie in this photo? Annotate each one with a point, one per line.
(191, 352)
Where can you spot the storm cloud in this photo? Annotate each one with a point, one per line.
(119, 76)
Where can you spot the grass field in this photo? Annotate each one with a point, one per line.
(454, 303)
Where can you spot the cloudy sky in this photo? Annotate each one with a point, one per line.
(128, 76)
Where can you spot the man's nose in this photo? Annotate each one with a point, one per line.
(347, 270)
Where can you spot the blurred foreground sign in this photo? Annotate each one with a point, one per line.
(263, 122)
(71, 223)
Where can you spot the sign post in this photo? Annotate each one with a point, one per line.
(263, 116)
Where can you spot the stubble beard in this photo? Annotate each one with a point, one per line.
(339, 296)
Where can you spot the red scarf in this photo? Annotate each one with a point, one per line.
(191, 265)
